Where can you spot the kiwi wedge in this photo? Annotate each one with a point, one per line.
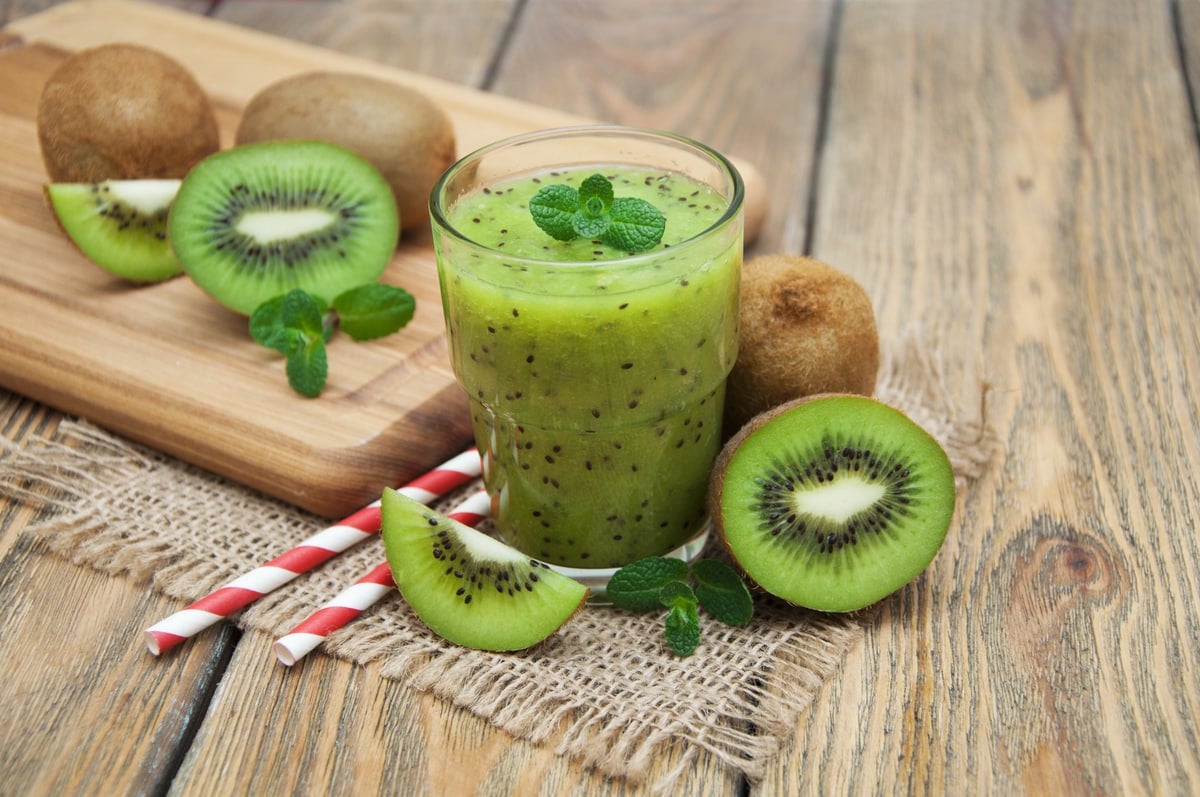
(120, 225)
(254, 222)
(469, 588)
(832, 502)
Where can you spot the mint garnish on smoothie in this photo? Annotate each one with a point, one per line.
(591, 211)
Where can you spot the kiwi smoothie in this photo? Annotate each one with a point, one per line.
(596, 376)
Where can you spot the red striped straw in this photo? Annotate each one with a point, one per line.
(312, 552)
(361, 595)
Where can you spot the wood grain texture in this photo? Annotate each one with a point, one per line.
(456, 41)
(1187, 20)
(1029, 169)
(83, 711)
(12, 10)
(683, 66)
(329, 728)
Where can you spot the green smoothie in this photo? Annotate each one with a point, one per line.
(596, 377)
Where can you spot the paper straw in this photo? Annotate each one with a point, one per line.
(310, 553)
(361, 595)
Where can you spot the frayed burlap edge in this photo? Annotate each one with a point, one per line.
(551, 695)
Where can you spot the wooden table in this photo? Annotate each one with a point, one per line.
(1025, 173)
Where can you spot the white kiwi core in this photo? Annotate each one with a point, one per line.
(268, 226)
(146, 196)
(489, 548)
(840, 499)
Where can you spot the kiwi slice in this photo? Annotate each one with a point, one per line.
(120, 225)
(469, 588)
(254, 222)
(832, 502)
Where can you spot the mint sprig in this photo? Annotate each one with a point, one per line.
(656, 581)
(298, 325)
(294, 325)
(591, 211)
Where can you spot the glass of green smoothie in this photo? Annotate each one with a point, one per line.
(595, 364)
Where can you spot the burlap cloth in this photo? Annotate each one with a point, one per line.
(604, 690)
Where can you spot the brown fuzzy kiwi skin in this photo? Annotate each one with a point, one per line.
(399, 130)
(123, 112)
(804, 328)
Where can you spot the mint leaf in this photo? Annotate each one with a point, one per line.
(626, 223)
(302, 311)
(675, 591)
(586, 226)
(266, 326)
(722, 592)
(638, 585)
(307, 368)
(682, 624)
(595, 195)
(636, 225)
(374, 310)
(553, 208)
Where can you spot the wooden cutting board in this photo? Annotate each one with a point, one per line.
(167, 366)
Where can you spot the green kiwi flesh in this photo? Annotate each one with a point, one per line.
(120, 225)
(254, 222)
(469, 588)
(832, 502)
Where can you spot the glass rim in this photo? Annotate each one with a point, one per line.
(736, 199)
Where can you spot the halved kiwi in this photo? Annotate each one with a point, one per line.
(469, 588)
(254, 222)
(832, 502)
(120, 225)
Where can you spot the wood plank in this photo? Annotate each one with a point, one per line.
(11, 10)
(671, 65)
(1032, 168)
(80, 691)
(1187, 20)
(85, 709)
(415, 36)
(327, 728)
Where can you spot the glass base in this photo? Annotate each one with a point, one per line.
(596, 579)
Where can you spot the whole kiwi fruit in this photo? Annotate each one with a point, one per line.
(123, 112)
(804, 328)
(832, 502)
(399, 130)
